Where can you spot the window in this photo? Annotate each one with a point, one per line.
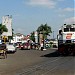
(72, 29)
(66, 29)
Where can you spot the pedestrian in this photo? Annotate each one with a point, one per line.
(41, 46)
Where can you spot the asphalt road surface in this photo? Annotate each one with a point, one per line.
(36, 62)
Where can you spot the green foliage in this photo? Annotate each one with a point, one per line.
(3, 29)
(44, 29)
(32, 37)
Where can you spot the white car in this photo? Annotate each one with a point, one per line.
(10, 48)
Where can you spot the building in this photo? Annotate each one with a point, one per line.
(17, 38)
(20, 38)
(7, 21)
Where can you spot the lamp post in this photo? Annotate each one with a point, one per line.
(53, 34)
(53, 37)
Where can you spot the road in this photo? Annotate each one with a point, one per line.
(36, 62)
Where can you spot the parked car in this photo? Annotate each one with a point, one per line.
(25, 46)
(10, 48)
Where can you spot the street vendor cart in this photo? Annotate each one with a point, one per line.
(3, 50)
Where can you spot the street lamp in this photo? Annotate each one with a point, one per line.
(53, 34)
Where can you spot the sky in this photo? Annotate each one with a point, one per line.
(28, 15)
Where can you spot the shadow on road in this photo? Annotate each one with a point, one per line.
(56, 54)
(10, 52)
(53, 54)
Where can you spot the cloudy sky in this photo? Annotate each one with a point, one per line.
(27, 15)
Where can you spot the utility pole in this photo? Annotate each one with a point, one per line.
(53, 34)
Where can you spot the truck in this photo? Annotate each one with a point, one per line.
(66, 39)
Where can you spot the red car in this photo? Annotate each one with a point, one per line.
(25, 46)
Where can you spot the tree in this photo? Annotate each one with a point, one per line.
(3, 29)
(32, 37)
(44, 29)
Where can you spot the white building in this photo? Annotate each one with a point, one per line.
(20, 38)
(7, 21)
(17, 38)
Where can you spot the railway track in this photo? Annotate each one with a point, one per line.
(47, 67)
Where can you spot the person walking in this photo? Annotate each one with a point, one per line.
(42, 46)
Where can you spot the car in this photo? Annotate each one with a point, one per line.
(11, 48)
(18, 45)
(25, 46)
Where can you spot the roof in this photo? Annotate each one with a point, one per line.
(18, 34)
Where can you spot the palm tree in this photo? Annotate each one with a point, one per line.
(44, 29)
